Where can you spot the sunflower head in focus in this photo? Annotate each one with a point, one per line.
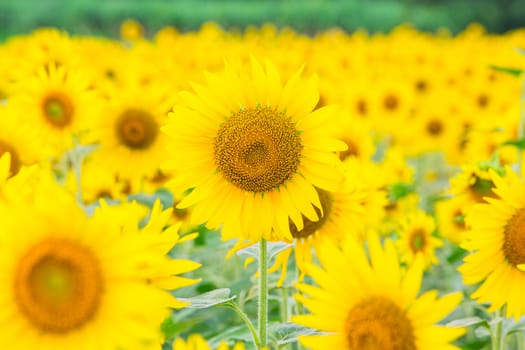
(382, 311)
(253, 151)
(71, 280)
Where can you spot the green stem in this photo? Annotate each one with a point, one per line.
(520, 341)
(263, 294)
(233, 305)
(497, 335)
(284, 305)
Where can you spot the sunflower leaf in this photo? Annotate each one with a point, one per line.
(208, 299)
(468, 321)
(253, 251)
(520, 144)
(512, 71)
(285, 333)
(239, 333)
(165, 197)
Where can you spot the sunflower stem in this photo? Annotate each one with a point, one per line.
(263, 294)
(497, 335)
(233, 305)
(284, 305)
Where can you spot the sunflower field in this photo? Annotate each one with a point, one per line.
(262, 188)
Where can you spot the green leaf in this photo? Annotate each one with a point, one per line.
(162, 194)
(520, 144)
(468, 321)
(285, 333)
(512, 71)
(399, 190)
(239, 333)
(253, 251)
(214, 297)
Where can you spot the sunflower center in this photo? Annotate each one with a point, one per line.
(362, 107)
(58, 110)
(378, 323)
(417, 240)
(137, 129)
(352, 150)
(58, 285)
(481, 188)
(15, 163)
(258, 149)
(435, 127)
(514, 238)
(310, 227)
(391, 102)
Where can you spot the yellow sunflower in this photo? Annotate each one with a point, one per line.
(128, 132)
(451, 218)
(252, 150)
(382, 310)
(495, 240)
(72, 281)
(58, 104)
(416, 237)
(197, 342)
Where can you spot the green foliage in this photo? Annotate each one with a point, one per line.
(104, 17)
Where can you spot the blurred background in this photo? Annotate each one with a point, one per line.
(103, 17)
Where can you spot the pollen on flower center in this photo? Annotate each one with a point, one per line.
(310, 227)
(15, 163)
(58, 285)
(58, 110)
(514, 239)
(257, 149)
(379, 323)
(136, 129)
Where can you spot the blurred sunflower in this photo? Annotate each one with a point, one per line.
(128, 133)
(58, 104)
(70, 281)
(252, 150)
(416, 237)
(495, 241)
(382, 311)
(451, 218)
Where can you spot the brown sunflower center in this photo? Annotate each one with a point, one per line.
(391, 102)
(361, 107)
(311, 226)
(481, 188)
(58, 285)
(418, 240)
(15, 163)
(378, 323)
(435, 127)
(58, 110)
(258, 149)
(514, 238)
(136, 129)
(352, 150)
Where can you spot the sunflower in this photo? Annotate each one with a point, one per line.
(495, 240)
(382, 311)
(197, 342)
(131, 144)
(253, 151)
(416, 237)
(58, 104)
(352, 210)
(451, 218)
(19, 140)
(72, 281)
